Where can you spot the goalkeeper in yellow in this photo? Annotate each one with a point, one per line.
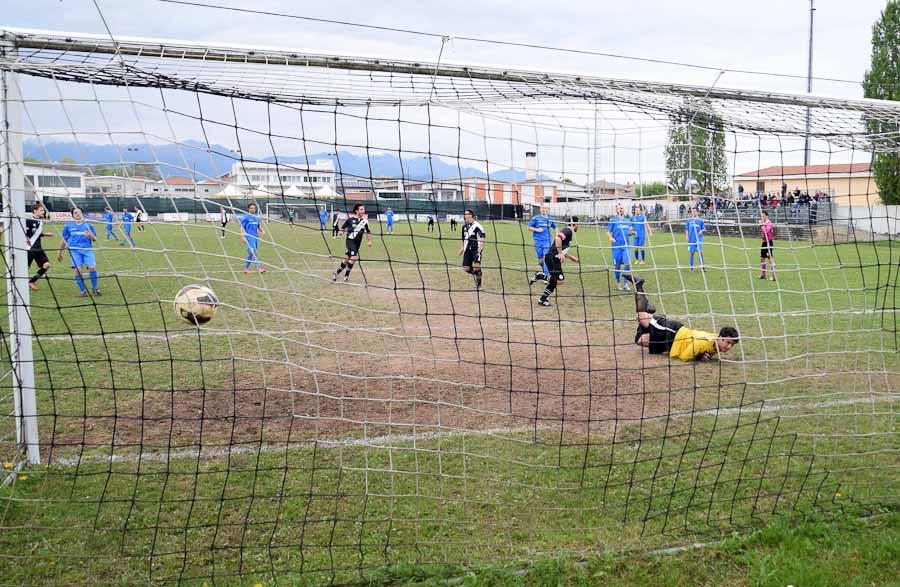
(661, 335)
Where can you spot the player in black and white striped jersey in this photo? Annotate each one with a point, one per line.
(472, 246)
(34, 230)
(559, 251)
(354, 228)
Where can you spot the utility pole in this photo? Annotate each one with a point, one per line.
(809, 77)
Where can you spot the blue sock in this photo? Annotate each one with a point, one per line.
(618, 273)
(247, 263)
(692, 259)
(95, 281)
(544, 269)
(79, 280)
(643, 254)
(636, 253)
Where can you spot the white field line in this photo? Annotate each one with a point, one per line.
(393, 440)
(205, 332)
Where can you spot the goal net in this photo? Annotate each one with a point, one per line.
(335, 419)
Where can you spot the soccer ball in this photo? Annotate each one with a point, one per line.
(196, 304)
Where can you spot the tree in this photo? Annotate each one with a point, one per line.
(656, 188)
(882, 81)
(695, 149)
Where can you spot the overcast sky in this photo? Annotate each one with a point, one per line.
(763, 35)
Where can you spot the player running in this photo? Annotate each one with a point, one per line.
(127, 219)
(78, 236)
(661, 335)
(559, 252)
(540, 226)
(693, 231)
(642, 234)
(618, 231)
(472, 246)
(323, 218)
(354, 227)
(109, 217)
(34, 231)
(767, 248)
(389, 218)
(139, 218)
(250, 232)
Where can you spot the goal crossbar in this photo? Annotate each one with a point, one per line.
(41, 40)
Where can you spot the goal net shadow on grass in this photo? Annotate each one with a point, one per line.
(324, 430)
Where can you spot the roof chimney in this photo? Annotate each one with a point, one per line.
(530, 165)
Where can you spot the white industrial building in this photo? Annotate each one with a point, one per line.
(51, 179)
(111, 186)
(294, 179)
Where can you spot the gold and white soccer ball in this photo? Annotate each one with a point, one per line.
(196, 304)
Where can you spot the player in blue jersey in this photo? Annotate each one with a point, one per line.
(389, 218)
(250, 232)
(693, 231)
(642, 233)
(127, 219)
(109, 217)
(323, 218)
(78, 236)
(618, 231)
(541, 226)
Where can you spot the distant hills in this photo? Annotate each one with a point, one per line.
(195, 157)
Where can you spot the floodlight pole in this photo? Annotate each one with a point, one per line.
(12, 187)
(809, 76)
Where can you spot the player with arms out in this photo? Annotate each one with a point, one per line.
(109, 217)
(661, 335)
(559, 252)
(250, 232)
(354, 227)
(472, 246)
(541, 226)
(78, 236)
(642, 234)
(34, 231)
(618, 231)
(693, 231)
(767, 247)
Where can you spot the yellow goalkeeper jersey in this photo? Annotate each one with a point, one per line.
(690, 344)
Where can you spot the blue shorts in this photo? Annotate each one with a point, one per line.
(127, 228)
(639, 240)
(109, 228)
(321, 225)
(82, 257)
(621, 256)
(390, 225)
(695, 248)
(252, 244)
(541, 250)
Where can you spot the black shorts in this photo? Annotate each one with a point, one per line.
(767, 251)
(471, 257)
(37, 256)
(353, 248)
(662, 333)
(554, 266)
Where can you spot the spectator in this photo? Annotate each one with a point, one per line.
(783, 190)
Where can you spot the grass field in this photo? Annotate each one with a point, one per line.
(326, 432)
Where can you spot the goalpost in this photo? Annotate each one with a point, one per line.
(323, 429)
(298, 212)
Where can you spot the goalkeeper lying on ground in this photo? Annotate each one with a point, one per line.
(659, 334)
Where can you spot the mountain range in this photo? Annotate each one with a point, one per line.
(205, 161)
